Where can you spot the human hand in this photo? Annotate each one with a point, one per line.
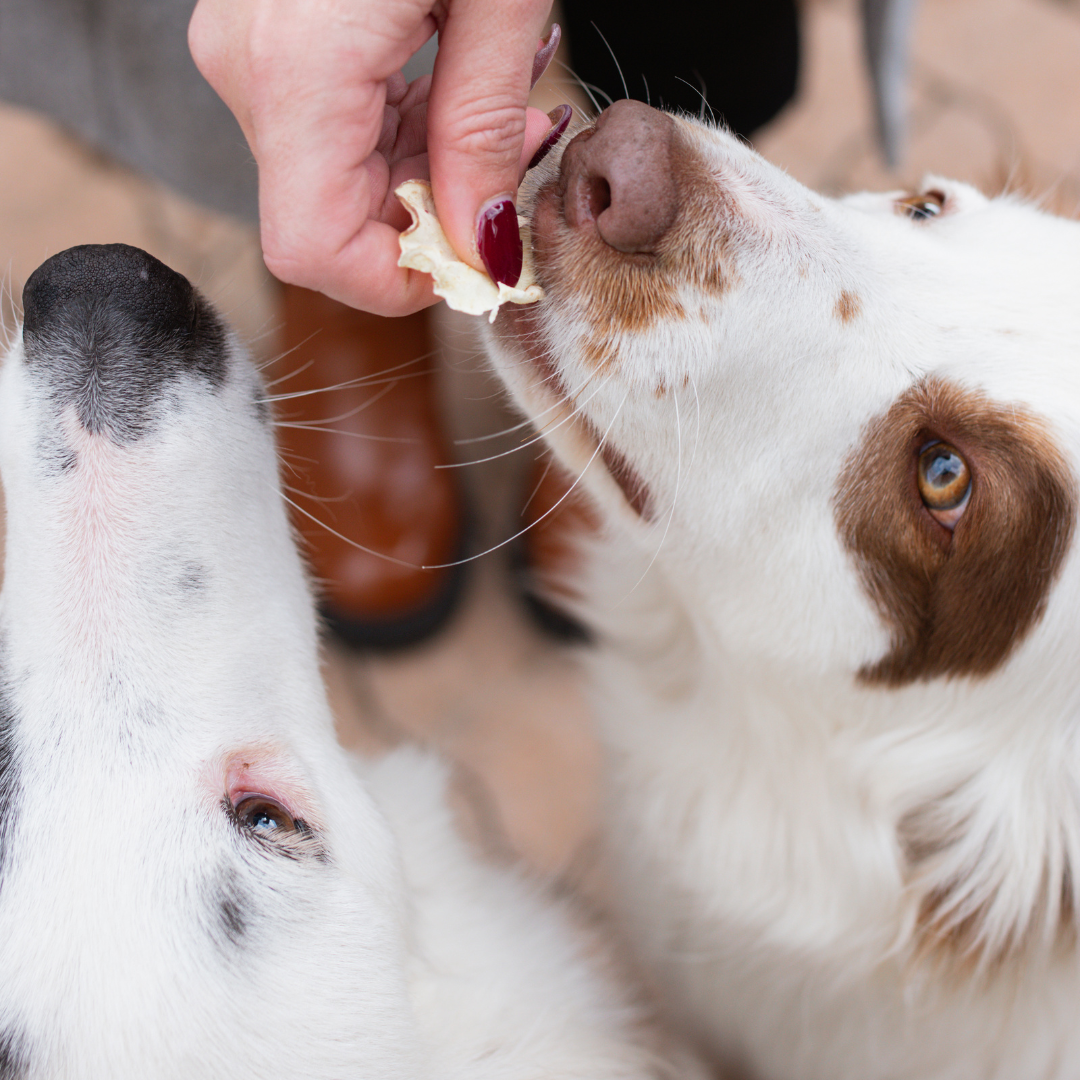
(334, 128)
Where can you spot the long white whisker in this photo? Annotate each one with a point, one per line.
(353, 543)
(615, 59)
(551, 509)
(354, 411)
(539, 484)
(377, 378)
(289, 352)
(586, 87)
(539, 437)
(403, 440)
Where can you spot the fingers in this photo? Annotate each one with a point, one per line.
(477, 125)
(310, 94)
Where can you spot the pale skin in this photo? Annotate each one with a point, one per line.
(334, 128)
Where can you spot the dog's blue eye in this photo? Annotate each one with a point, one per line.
(264, 816)
(928, 204)
(944, 482)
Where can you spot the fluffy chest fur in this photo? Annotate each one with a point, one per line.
(838, 696)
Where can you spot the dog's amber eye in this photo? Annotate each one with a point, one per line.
(944, 482)
(927, 204)
(265, 816)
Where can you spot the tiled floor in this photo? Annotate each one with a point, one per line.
(996, 100)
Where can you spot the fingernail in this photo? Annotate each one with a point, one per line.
(545, 53)
(560, 118)
(499, 241)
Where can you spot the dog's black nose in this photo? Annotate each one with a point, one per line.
(108, 325)
(620, 178)
(125, 279)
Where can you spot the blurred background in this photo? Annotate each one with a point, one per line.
(994, 99)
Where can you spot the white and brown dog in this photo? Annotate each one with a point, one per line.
(835, 445)
(195, 880)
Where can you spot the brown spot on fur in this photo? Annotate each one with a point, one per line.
(847, 307)
(958, 603)
(626, 476)
(559, 515)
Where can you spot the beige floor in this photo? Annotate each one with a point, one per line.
(996, 100)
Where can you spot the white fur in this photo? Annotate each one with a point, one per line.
(157, 632)
(754, 786)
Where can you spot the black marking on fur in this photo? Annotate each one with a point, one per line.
(109, 327)
(192, 578)
(9, 782)
(233, 907)
(14, 1064)
(261, 405)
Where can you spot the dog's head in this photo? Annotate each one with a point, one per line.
(192, 880)
(848, 429)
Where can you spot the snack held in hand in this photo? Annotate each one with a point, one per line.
(424, 247)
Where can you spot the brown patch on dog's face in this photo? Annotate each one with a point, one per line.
(847, 307)
(624, 293)
(958, 602)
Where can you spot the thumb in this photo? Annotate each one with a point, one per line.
(477, 126)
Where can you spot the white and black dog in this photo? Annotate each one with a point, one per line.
(835, 446)
(195, 880)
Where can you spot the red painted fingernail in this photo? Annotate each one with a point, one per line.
(545, 53)
(560, 118)
(499, 241)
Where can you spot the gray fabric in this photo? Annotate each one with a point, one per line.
(118, 73)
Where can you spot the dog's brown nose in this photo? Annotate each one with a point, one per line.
(620, 176)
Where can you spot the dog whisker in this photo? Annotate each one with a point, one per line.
(350, 434)
(318, 498)
(378, 378)
(289, 352)
(353, 543)
(546, 513)
(539, 483)
(351, 412)
(614, 58)
(588, 88)
(539, 437)
(700, 91)
(284, 378)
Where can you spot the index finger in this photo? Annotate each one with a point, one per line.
(476, 111)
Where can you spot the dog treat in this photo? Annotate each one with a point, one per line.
(424, 247)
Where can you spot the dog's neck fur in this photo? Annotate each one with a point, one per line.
(920, 830)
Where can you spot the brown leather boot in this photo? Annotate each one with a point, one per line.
(361, 460)
(547, 558)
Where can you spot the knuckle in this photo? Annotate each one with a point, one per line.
(491, 129)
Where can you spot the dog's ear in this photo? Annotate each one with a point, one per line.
(958, 600)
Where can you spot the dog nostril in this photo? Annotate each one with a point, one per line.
(620, 178)
(596, 193)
